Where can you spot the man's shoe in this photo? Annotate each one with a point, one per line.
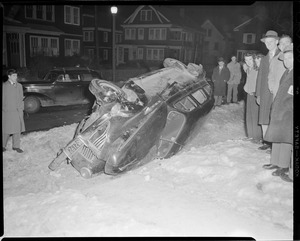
(4, 149)
(285, 177)
(270, 166)
(17, 150)
(264, 147)
(280, 171)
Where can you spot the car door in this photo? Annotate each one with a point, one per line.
(67, 88)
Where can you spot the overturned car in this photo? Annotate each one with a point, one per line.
(151, 116)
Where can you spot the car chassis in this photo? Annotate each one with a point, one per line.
(124, 132)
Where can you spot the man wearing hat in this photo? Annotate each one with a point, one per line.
(220, 77)
(263, 95)
(280, 130)
(12, 111)
(277, 67)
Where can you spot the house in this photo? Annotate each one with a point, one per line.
(100, 18)
(152, 33)
(214, 44)
(30, 30)
(249, 33)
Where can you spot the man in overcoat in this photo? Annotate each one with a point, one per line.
(220, 77)
(12, 111)
(280, 130)
(263, 95)
(234, 80)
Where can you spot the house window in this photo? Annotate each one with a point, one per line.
(49, 13)
(216, 46)
(184, 37)
(40, 12)
(208, 32)
(157, 34)
(146, 15)
(249, 38)
(206, 45)
(175, 35)
(44, 45)
(140, 34)
(130, 34)
(29, 11)
(91, 53)
(71, 15)
(118, 38)
(105, 54)
(88, 36)
(72, 46)
(105, 37)
(140, 53)
(155, 54)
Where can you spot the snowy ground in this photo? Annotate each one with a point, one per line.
(214, 187)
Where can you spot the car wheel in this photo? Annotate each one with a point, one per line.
(105, 91)
(32, 104)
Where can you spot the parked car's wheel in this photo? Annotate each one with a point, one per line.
(32, 104)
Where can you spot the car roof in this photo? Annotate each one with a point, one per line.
(72, 69)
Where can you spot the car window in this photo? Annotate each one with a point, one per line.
(199, 96)
(208, 89)
(87, 77)
(51, 76)
(72, 77)
(186, 104)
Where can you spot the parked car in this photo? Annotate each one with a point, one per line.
(60, 86)
(151, 116)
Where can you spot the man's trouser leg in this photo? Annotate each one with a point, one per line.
(281, 154)
(16, 140)
(235, 93)
(229, 92)
(5, 137)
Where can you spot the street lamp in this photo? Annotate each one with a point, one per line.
(114, 11)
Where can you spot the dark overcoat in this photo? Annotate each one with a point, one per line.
(262, 90)
(220, 79)
(12, 108)
(281, 123)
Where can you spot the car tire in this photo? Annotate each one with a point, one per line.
(32, 104)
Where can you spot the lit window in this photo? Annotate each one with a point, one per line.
(140, 33)
(46, 46)
(72, 46)
(40, 12)
(157, 34)
(146, 15)
(249, 38)
(72, 15)
(105, 37)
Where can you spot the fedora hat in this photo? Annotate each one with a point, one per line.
(221, 59)
(289, 48)
(270, 34)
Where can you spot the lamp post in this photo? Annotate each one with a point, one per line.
(114, 11)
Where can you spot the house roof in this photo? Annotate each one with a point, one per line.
(256, 17)
(165, 15)
(218, 29)
(44, 28)
(104, 18)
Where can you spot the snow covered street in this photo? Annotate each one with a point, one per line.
(215, 186)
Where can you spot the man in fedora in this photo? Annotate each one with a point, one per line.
(263, 95)
(280, 131)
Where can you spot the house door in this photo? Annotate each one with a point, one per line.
(126, 53)
(13, 49)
